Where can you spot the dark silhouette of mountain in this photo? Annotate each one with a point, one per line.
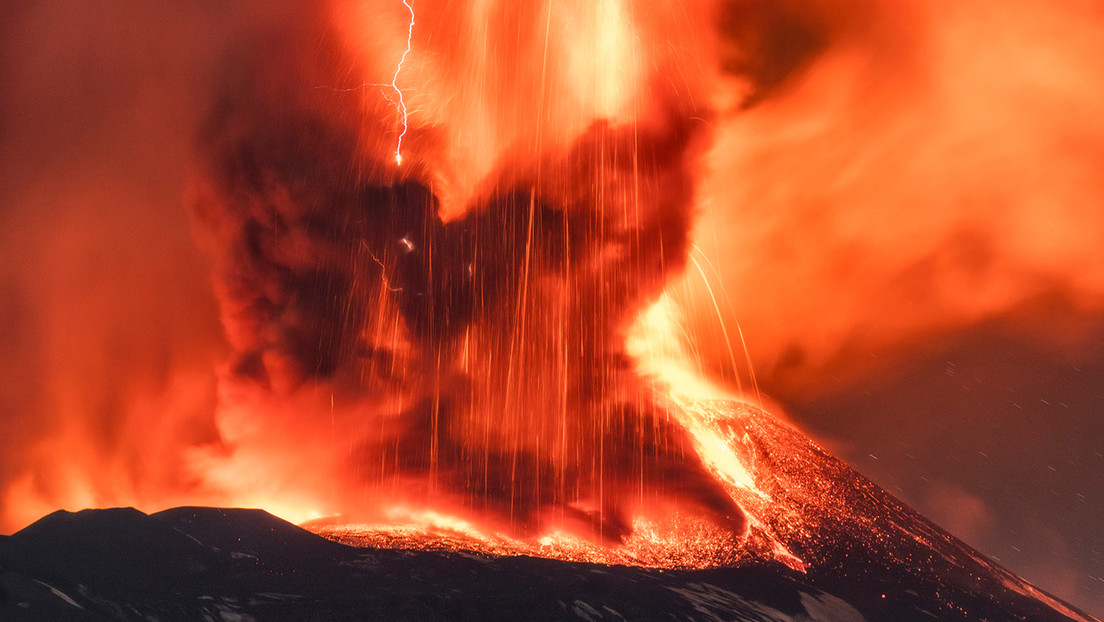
(866, 557)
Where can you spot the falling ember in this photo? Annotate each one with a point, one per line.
(471, 356)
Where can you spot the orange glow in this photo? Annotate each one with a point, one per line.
(505, 341)
(469, 358)
(661, 535)
(931, 168)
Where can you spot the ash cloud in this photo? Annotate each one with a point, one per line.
(901, 179)
(503, 325)
(896, 172)
(110, 328)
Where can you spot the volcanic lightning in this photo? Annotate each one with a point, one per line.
(395, 84)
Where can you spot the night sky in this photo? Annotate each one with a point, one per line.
(988, 421)
(992, 433)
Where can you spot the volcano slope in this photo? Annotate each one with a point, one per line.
(852, 552)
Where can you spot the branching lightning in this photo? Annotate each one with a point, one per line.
(395, 86)
(382, 267)
(400, 104)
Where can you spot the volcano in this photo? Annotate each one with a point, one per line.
(824, 544)
(461, 289)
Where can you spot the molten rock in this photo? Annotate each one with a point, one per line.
(854, 553)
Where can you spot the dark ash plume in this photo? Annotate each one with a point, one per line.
(503, 327)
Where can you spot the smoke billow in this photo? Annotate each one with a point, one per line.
(475, 360)
(910, 186)
(108, 329)
(898, 171)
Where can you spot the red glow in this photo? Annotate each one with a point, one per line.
(500, 335)
(496, 278)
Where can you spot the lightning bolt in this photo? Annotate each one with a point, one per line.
(394, 84)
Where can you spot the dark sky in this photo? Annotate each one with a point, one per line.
(992, 435)
(988, 422)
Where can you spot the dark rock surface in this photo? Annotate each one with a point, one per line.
(235, 564)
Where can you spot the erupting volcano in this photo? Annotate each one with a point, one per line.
(457, 314)
(472, 266)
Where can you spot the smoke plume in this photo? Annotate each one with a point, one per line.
(898, 171)
(473, 354)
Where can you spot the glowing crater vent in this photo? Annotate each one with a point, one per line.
(667, 537)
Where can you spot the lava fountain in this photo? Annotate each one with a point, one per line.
(428, 282)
